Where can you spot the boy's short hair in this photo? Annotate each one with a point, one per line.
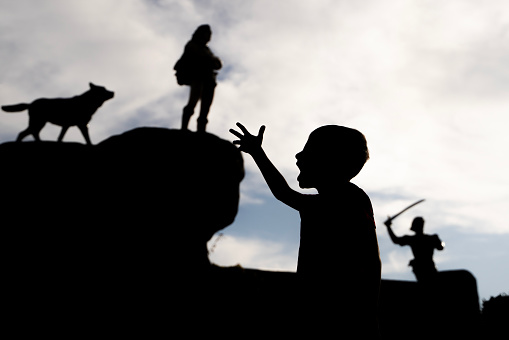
(344, 149)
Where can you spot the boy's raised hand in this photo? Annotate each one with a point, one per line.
(247, 142)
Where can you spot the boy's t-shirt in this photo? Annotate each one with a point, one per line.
(339, 259)
(338, 232)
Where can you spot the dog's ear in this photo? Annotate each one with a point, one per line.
(92, 85)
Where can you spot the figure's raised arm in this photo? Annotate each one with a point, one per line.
(277, 184)
(394, 238)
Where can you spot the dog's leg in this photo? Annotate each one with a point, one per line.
(23, 134)
(35, 133)
(62, 133)
(84, 132)
(34, 127)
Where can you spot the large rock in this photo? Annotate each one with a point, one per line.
(120, 227)
(445, 308)
(148, 186)
(178, 187)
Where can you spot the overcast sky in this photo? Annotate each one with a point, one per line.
(425, 81)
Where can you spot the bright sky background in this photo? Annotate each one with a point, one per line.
(425, 81)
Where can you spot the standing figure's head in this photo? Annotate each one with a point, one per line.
(202, 34)
(332, 154)
(418, 225)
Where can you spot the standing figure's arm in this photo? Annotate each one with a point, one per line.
(439, 245)
(277, 184)
(394, 238)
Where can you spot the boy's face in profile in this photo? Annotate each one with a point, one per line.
(323, 161)
(305, 177)
(311, 163)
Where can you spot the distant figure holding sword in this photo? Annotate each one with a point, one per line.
(422, 246)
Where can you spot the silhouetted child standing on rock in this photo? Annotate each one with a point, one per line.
(339, 264)
(198, 68)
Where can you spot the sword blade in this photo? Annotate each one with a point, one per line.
(410, 206)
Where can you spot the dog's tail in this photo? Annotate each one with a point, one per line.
(15, 108)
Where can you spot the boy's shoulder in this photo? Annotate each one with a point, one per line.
(356, 199)
(355, 191)
(348, 193)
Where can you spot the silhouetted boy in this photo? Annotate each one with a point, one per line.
(339, 264)
(422, 246)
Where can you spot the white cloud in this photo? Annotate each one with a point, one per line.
(251, 253)
(396, 262)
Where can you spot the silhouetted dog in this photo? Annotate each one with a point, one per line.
(65, 112)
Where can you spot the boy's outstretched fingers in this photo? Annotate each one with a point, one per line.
(236, 134)
(242, 128)
(247, 141)
(239, 135)
(246, 133)
(260, 132)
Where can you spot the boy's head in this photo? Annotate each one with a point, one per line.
(332, 153)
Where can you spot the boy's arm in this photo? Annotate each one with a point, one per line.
(277, 184)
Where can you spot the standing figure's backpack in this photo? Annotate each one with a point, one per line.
(183, 71)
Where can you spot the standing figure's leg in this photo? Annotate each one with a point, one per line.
(195, 93)
(424, 271)
(206, 102)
